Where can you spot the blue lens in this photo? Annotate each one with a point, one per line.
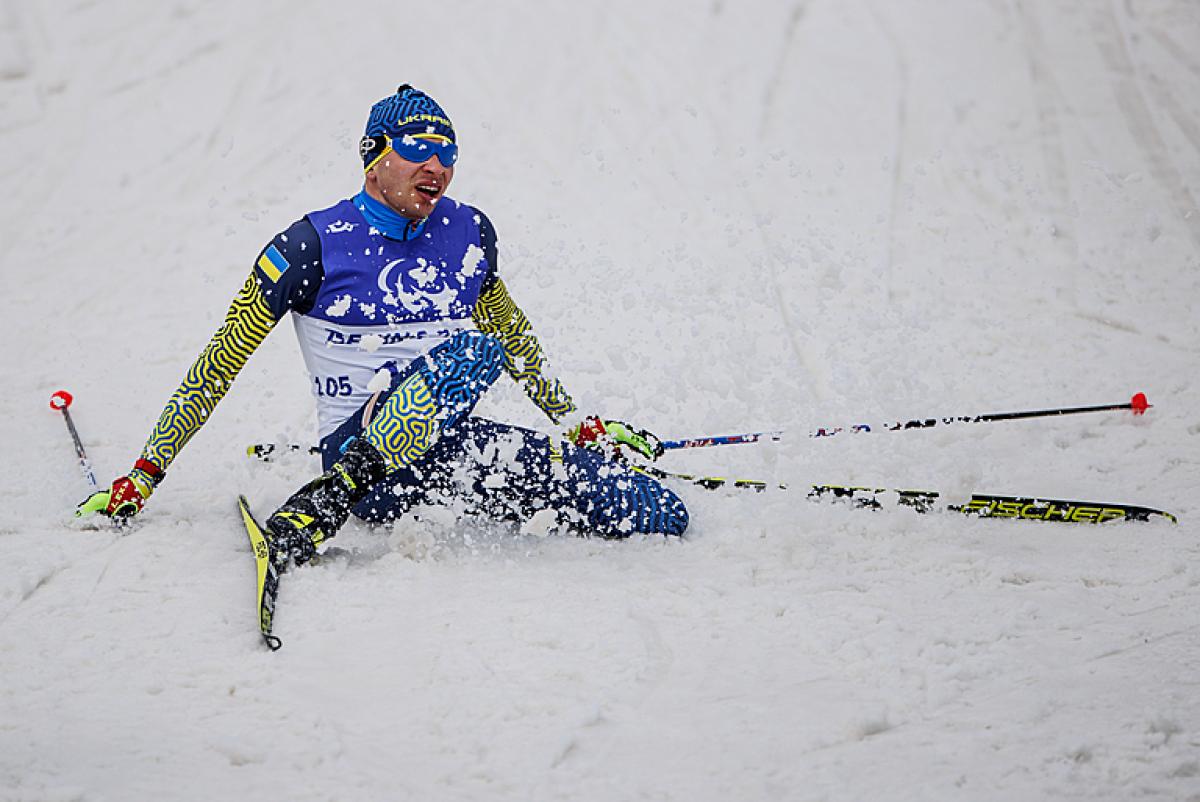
(417, 148)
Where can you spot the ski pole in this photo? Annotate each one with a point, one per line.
(721, 440)
(61, 400)
(1138, 405)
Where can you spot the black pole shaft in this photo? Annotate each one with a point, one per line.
(1046, 413)
(84, 465)
(998, 416)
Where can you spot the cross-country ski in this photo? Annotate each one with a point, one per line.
(266, 561)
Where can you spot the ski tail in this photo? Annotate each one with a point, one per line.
(267, 574)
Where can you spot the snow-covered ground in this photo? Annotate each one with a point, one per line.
(720, 216)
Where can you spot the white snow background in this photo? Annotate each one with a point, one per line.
(720, 216)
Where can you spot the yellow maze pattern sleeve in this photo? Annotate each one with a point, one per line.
(498, 315)
(247, 323)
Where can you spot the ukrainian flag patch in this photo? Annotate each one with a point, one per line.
(272, 263)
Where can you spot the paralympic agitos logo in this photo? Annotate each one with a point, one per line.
(418, 287)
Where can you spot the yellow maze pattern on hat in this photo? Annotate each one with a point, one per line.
(247, 324)
(498, 315)
(407, 425)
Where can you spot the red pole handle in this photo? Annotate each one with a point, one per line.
(61, 400)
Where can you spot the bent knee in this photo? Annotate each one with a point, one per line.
(478, 347)
(463, 368)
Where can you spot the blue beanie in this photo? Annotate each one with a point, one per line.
(409, 111)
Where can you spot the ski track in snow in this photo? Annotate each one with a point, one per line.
(719, 219)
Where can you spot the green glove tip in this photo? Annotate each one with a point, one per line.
(93, 504)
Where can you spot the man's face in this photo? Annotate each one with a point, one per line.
(409, 188)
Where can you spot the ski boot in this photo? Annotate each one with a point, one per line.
(315, 512)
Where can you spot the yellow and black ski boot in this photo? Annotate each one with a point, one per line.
(315, 512)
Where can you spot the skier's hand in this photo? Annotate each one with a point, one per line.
(610, 436)
(126, 496)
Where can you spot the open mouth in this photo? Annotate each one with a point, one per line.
(430, 191)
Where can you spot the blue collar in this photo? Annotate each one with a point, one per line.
(387, 222)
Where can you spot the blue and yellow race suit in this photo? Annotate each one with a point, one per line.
(372, 303)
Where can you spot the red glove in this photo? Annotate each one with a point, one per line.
(127, 495)
(608, 436)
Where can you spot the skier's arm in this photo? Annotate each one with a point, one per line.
(498, 315)
(247, 323)
(285, 277)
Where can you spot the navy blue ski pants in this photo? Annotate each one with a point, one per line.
(509, 473)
